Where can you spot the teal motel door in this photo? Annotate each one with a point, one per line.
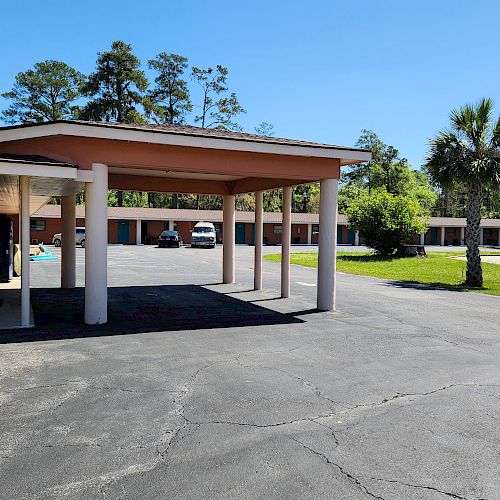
(339, 234)
(123, 231)
(350, 236)
(434, 235)
(240, 233)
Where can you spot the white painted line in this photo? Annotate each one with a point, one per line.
(305, 284)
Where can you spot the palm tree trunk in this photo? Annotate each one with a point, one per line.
(473, 212)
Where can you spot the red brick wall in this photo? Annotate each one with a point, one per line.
(132, 231)
(269, 237)
(314, 237)
(113, 231)
(154, 228)
(185, 228)
(451, 234)
(490, 236)
(248, 234)
(299, 233)
(52, 226)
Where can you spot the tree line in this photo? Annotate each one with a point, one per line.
(179, 94)
(118, 90)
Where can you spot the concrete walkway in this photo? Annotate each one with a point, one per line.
(492, 259)
(10, 304)
(395, 396)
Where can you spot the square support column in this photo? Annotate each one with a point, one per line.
(309, 234)
(462, 235)
(259, 238)
(25, 252)
(170, 225)
(228, 230)
(286, 239)
(68, 241)
(356, 238)
(138, 232)
(327, 251)
(421, 241)
(96, 246)
(443, 232)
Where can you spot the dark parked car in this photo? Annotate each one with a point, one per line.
(169, 239)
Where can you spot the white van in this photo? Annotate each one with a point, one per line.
(203, 235)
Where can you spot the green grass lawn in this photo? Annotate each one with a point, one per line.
(437, 269)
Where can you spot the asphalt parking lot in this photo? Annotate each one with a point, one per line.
(198, 390)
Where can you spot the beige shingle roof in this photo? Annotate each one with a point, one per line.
(189, 130)
(36, 159)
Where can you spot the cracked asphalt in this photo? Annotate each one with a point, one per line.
(395, 396)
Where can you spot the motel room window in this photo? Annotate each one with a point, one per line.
(37, 225)
(315, 229)
(277, 230)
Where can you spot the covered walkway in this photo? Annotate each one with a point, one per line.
(58, 158)
(28, 182)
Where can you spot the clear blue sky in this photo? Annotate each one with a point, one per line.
(317, 70)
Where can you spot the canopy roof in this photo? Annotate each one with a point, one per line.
(181, 159)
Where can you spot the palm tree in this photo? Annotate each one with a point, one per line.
(469, 154)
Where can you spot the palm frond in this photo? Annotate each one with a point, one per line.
(462, 119)
(495, 136)
(482, 124)
(446, 153)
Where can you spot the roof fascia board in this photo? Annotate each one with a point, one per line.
(36, 170)
(104, 132)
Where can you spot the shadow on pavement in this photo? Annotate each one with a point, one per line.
(58, 313)
(426, 286)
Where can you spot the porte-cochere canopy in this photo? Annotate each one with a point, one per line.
(57, 158)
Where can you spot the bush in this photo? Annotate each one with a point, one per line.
(386, 221)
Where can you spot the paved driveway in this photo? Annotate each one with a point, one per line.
(395, 396)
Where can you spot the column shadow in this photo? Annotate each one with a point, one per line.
(58, 313)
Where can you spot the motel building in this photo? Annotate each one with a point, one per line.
(141, 226)
(57, 159)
